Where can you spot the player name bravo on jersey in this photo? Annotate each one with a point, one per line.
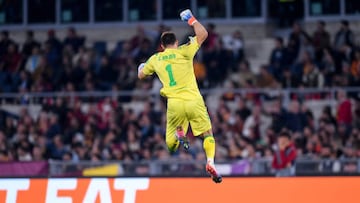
(167, 57)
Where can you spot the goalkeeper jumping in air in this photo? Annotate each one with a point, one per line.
(174, 67)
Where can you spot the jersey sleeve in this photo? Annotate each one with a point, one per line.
(149, 67)
(190, 48)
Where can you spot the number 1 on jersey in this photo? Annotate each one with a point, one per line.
(171, 76)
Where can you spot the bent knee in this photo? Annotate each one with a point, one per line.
(172, 145)
(207, 133)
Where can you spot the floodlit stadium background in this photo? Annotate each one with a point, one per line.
(76, 125)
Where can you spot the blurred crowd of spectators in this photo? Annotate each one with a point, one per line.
(71, 128)
(301, 60)
(314, 60)
(69, 65)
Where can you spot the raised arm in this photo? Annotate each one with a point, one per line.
(200, 31)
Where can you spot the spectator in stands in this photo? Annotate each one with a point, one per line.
(9, 126)
(24, 82)
(200, 73)
(356, 119)
(346, 54)
(56, 148)
(144, 51)
(23, 154)
(11, 61)
(42, 76)
(278, 115)
(348, 152)
(53, 57)
(312, 77)
(297, 40)
(5, 41)
(344, 36)
(289, 80)
(68, 157)
(355, 69)
(212, 39)
(65, 75)
(218, 61)
(344, 113)
(303, 66)
(19, 135)
(3, 141)
(264, 79)
(242, 110)
(314, 145)
(329, 163)
(321, 40)
(256, 124)
(30, 43)
(345, 78)
(327, 67)
(33, 60)
(82, 54)
(278, 59)
(79, 73)
(4, 156)
(225, 115)
(327, 116)
(295, 119)
(107, 74)
(74, 40)
(235, 44)
(37, 153)
(54, 41)
(284, 156)
(136, 40)
(245, 74)
(343, 45)
(54, 127)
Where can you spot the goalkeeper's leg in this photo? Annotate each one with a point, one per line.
(209, 148)
(201, 126)
(176, 136)
(176, 125)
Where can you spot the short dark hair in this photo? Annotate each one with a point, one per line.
(345, 23)
(212, 26)
(321, 22)
(5, 33)
(280, 40)
(284, 134)
(168, 38)
(69, 154)
(30, 33)
(72, 29)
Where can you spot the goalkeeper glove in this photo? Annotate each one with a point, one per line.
(188, 17)
(140, 67)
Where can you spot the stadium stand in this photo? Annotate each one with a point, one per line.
(245, 125)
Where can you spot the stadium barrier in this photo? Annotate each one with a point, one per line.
(328, 92)
(179, 190)
(241, 167)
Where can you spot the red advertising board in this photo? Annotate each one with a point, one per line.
(180, 190)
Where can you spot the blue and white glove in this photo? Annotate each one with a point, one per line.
(188, 17)
(140, 67)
